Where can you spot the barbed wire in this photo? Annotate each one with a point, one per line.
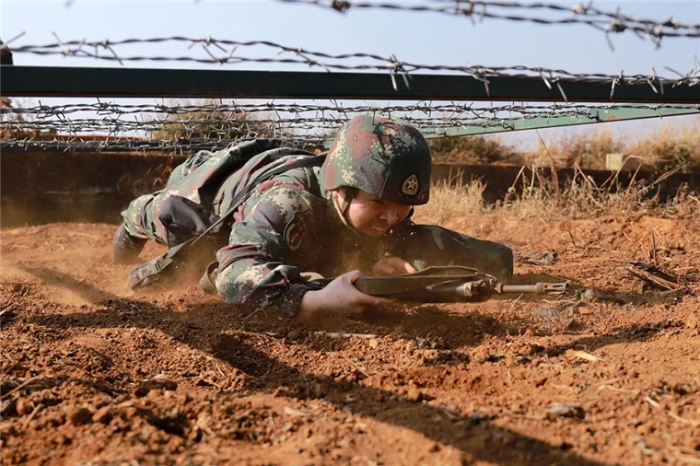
(428, 108)
(329, 62)
(585, 14)
(580, 13)
(220, 119)
(168, 146)
(181, 128)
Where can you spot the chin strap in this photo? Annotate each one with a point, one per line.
(341, 202)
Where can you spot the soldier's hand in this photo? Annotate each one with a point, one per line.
(341, 296)
(392, 266)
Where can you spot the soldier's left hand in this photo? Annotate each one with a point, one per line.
(392, 266)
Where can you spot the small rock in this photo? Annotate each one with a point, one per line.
(155, 384)
(413, 394)
(24, 407)
(481, 355)
(7, 430)
(128, 413)
(373, 343)
(566, 410)
(62, 439)
(103, 415)
(556, 440)
(80, 416)
(54, 419)
(588, 294)
(104, 401)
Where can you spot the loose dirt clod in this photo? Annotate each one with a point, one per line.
(79, 416)
(155, 384)
(103, 415)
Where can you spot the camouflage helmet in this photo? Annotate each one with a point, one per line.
(382, 156)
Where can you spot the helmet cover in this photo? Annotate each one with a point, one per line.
(382, 156)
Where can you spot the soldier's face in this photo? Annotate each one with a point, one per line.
(374, 216)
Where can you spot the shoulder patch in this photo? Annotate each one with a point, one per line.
(295, 231)
(410, 185)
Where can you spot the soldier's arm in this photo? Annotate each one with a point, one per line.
(426, 245)
(252, 271)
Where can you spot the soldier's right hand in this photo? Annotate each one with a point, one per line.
(340, 296)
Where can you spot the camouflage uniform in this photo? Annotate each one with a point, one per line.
(290, 225)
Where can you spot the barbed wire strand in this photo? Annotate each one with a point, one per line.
(586, 14)
(182, 127)
(395, 66)
(580, 13)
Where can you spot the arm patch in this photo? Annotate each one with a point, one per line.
(295, 231)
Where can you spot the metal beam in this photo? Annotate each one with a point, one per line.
(44, 81)
(583, 117)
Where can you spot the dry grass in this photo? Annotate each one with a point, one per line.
(542, 197)
(669, 147)
(587, 150)
(473, 150)
(14, 123)
(668, 150)
(448, 201)
(210, 123)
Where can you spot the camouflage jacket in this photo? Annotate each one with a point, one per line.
(286, 227)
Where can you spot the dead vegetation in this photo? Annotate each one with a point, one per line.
(545, 197)
(208, 122)
(12, 125)
(669, 147)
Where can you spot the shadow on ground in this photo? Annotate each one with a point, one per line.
(207, 327)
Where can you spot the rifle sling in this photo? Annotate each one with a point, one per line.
(310, 161)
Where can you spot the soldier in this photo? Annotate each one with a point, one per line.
(284, 215)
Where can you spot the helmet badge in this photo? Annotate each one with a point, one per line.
(409, 187)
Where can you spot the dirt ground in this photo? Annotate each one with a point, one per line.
(93, 373)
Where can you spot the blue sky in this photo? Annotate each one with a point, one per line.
(413, 37)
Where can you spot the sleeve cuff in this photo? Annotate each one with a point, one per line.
(289, 303)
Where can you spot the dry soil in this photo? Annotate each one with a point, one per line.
(93, 373)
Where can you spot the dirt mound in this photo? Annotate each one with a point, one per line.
(95, 374)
